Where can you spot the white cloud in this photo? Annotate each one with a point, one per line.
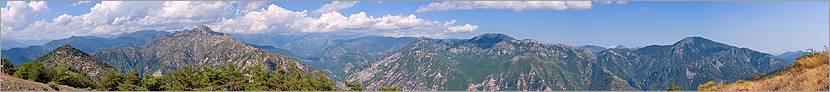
(19, 14)
(612, 2)
(116, 17)
(80, 2)
(513, 5)
(247, 6)
(335, 6)
(186, 12)
(465, 28)
(281, 20)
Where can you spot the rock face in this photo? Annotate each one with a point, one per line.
(358, 52)
(687, 63)
(75, 60)
(499, 62)
(335, 53)
(487, 62)
(192, 47)
(593, 48)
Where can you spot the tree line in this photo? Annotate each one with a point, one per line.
(226, 77)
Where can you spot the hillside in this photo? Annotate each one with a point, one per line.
(486, 62)
(75, 60)
(809, 73)
(9, 83)
(500, 62)
(194, 47)
(689, 62)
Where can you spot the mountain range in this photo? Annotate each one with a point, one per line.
(499, 62)
(485, 62)
(199, 46)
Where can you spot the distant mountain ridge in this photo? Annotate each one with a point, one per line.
(334, 53)
(486, 62)
(528, 65)
(84, 43)
(199, 46)
(791, 55)
(687, 63)
(593, 48)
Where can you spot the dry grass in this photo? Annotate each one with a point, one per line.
(809, 73)
(9, 83)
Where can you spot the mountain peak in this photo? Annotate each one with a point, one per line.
(66, 48)
(698, 41)
(199, 30)
(489, 39)
(693, 39)
(74, 59)
(493, 36)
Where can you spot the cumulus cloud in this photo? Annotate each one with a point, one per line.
(278, 19)
(19, 14)
(335, 6)
(512, 5)
(186, 12)
(247, 6)
(116, 17)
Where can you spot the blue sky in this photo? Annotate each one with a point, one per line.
(772, 27)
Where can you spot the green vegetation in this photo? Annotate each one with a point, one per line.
(226, 77)
(115, 80)
(354, 86)
(673, 87)
(8, 68)
(390, 89)
(30, 71)
(60, 75)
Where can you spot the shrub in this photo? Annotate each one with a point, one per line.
(390, 89)
(114, 80)
(673, 87)
(62, 75)
(30, 71)
(8, 68)
(354, 86)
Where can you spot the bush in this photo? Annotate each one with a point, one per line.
(8, 68)
(114, 80)
(30, 71)
(77, 80)
(152, 83)
(673, 87)
(390, 89)
(354, 86)
(298, 81)
(60, 75)
(225, 77)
